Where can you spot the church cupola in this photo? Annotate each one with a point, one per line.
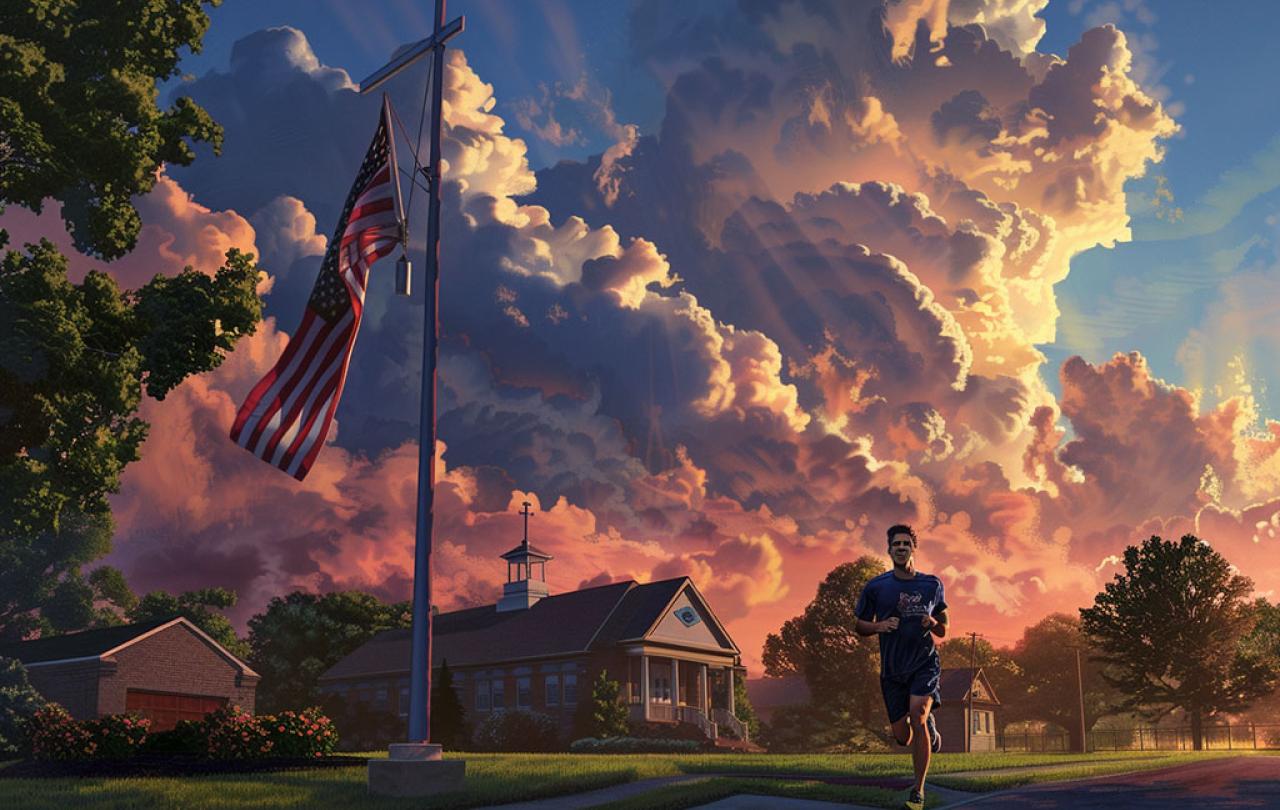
(525, 584)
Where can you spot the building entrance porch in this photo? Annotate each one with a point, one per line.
(673, 689)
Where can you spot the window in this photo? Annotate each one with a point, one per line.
(571, 689)
(380, 697)
(524, 694)
(977, 723)
(499, 689)
(986, 722)
(553, 690)
(403, 706)
(482, 696)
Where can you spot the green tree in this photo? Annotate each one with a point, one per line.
(742, 708)
(202, 607)
(79, 120)
(841, 669)
(301, 635)
(75, 360)
(18, 702)
(604, 715)
(1046, 655)
(1172, 626)
(448, 717)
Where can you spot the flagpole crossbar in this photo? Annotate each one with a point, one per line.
(412, 54)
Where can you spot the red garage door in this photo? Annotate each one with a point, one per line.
(166, 708)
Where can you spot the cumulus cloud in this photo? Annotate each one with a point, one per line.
(736, 349)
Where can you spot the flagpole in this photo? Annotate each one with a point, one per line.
(420, 664)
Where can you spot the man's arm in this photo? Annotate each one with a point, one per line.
(866, 628)
(937, 623)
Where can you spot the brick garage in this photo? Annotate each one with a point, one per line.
(167, 670)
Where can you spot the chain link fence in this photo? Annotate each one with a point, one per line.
(1227, 737)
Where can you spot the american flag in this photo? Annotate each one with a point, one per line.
(288, 413)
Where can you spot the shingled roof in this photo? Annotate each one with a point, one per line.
(98, 643)
(562, 624)
(953, 685)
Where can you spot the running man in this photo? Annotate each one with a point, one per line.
(907, 610)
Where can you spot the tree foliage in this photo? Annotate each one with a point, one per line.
(448, 717)
(1173, 627)
(1046, 655)
(742, 708)
(79, 120)
(75, 360)
(604, 715)
(201, 607)
(19, 701)
(841, 670)
(301, 635)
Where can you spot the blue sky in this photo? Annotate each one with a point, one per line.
(1222, 170)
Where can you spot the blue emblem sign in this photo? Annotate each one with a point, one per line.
(688, 616)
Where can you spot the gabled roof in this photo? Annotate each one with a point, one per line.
(954, 684)
(562, 624)
(102, 643)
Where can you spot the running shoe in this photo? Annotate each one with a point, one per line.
(935, 736)
(914, 801)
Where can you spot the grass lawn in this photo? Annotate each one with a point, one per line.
(497, 778)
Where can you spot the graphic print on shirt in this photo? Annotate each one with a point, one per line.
(911, 603)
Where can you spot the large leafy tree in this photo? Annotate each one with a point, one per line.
(75, 360)
(202, 607)
(79, 120)
(1046, 655)
(1171, 626)
(841, 670)
(301, 635)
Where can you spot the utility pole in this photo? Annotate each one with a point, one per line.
(1084, 738)
(973, 677)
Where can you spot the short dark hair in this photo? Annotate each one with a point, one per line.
(901, 528)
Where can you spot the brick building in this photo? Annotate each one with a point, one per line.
(167, 670)
(952, 718)
(537, 651)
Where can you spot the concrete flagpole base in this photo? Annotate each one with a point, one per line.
(415, 769)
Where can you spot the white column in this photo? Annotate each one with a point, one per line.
(702, 690)
(731, 710)
(675, 688)
(644, 684)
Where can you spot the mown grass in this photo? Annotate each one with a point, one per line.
(1003, 778)
(499, 778)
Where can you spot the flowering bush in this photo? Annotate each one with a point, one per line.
(54, 734)
(518, 730)
(308, 733)
(232, 733)
(117, 735)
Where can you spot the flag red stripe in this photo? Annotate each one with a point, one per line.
(288, 382)
(261, 388)
(268, 404)
(295, 401)
(378, 206)
(331, 383)
(310, 457)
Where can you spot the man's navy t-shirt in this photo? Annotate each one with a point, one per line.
(905, 650)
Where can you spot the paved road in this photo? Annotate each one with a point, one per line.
(1223, 783)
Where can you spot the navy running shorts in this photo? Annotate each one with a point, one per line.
(898, 691)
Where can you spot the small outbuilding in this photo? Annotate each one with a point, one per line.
(954, 717)
(167, 670)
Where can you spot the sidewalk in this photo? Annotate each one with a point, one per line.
(594, 798)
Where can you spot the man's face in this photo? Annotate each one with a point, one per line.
(901, 549)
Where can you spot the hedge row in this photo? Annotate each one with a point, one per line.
(227, 733)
